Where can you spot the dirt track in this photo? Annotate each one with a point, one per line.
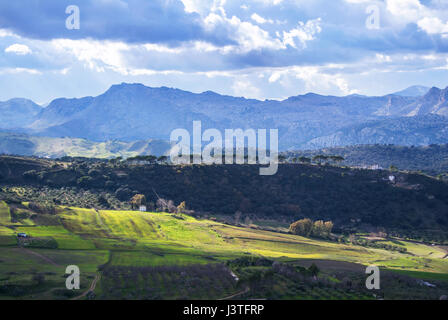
(46, 259)
(236, 294)
(91, 289)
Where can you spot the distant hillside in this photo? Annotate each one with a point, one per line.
(21, 144)
(361, 199)
(431, 159)
(129, 112)
(17, 113)
(414, 91)
(407, 131)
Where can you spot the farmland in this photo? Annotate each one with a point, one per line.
(147, 255)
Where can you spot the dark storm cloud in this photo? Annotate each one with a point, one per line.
(134, 21)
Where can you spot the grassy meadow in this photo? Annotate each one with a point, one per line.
(126, 244)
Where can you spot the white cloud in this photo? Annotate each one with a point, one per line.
(252, 37)
(19, 70)
(19, 49)
(247, 35)
(412, 11)
(303, 33)
(274, 77)
(97, 55)
(199, 6)
(383, 58)
(244, 88)
(259, 19)
(433, 25)
(358, 1)
(270, 2)
(316, 80)
(5, 33)
(407, 10)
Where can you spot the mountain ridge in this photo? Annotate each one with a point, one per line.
(133, 111)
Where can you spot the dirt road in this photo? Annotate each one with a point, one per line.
(46, 259)
(236, 294)
(91, 289)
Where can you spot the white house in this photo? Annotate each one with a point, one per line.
(142, 208)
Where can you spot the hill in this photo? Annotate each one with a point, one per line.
(156, 255)
(128, 112)
(16, 113)
(413, 91)
(405, 131)
(353, 199)
(432, 159)
(26, 145)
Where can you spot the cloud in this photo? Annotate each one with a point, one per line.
(407, 10)
(19, 49)
(433, 25)
(19, 70)
(274, 77)
(5, 33)
(95, 54)
(259, 19)
(258, 48)
(303, 33)
(244, 88)
(270, 2)
(135, 21)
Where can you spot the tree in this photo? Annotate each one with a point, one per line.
(162, 159)
(166, 205)
(318, 229)
(237, 217)
(281, 158)
(320, 158)
(301, 227)
(314, 270)
(138, 200)
(171, 207)
(328, 227)
(181, 207)
(337, 159)
(39, 278)
(304, 160)
(151, 159)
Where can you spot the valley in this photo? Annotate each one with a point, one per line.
(134, 251)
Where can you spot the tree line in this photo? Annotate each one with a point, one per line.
(306, 227)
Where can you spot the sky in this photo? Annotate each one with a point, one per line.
(262, 49)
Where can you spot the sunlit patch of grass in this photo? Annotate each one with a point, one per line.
(5, 216)
(64, 238)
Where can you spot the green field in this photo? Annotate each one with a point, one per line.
(119, 241)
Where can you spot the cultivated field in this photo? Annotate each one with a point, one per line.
(157, 255)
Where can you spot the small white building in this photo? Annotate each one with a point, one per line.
(142, 208)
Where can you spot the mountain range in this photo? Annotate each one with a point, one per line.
(134, 112)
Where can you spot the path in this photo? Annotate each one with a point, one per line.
(236, 294)
(46, 259)
(91, 289)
